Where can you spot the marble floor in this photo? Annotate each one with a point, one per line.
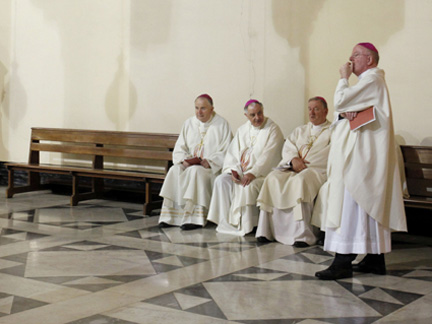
(103, 262)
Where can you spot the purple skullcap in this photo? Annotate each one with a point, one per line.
(205, 95)
(369, 46)
(321, 98)
(251, 101)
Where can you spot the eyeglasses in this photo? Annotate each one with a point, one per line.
(357, 55)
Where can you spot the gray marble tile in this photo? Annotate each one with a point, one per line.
(104, 262)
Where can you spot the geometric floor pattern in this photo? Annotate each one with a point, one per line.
(104, 262)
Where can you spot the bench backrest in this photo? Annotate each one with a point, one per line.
(100, 144)
(418, 169)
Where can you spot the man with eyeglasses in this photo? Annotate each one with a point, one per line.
(253, 152)
(362, 201)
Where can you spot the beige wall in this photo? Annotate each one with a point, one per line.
(138, 64)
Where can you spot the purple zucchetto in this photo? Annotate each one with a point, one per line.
(321, 98)
(369, 46)
(205, 95)
(251, 101)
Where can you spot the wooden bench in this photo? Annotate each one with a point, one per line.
(418, 170)
(95, 148)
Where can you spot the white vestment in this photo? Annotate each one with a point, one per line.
(253, 150)
(364, 179)
(187, 191)
(286, 197)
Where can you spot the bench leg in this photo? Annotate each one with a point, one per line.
(33, 184)
(11, 181)
(97, 186)
(74, 198)
(149, 204)
(97, 189)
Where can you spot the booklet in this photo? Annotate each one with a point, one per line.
(235, 174)
(193, 160)
(363, 117)
(284, 168)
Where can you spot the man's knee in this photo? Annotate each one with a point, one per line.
(224, 180)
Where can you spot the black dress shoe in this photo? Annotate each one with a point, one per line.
(334, 273)
(372, 263)
(263, 239)
(320, 239)
(300, 244)
(320, 242)
(189, 227)
(164, 225)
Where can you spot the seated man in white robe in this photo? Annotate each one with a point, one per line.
(197, 159)
(287, 196)
(362, 200)
(254, 151)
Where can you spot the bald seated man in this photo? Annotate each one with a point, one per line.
(198, 158)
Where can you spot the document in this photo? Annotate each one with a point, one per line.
(193, 160)
(363, 117)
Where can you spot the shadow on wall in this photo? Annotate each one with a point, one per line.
(121, 97)
(427, 141)
(150, 25)
(3, 72)
(294, 21)
(14, 109)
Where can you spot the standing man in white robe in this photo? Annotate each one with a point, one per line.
(187, 188)
(362, 199)
(287, 196)
(254, 151)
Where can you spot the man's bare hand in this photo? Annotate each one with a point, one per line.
(298, 164)
(185, 164)
(247, 179)
(346, 70)
(205, 164)
(349, 115)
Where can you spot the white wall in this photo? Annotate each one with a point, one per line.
(138, 64)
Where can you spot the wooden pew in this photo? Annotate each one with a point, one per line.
(95, 148)
(418, 170)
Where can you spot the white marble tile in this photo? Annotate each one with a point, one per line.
(187, 301)
(301, 268)
(86, 263)
(207, 234)
(71, 310)
(38, 290)
(380, 295)
(286, 299)
(8, 264)
(146, 313)
(79, 214)
(418, 312)
(180, 278)
(26, 246)
(394, 283)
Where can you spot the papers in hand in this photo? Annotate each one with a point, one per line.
(193, 160)
(363, 117)
(284, 167)
(236, 174)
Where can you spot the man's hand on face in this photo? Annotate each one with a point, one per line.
(346, 70)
